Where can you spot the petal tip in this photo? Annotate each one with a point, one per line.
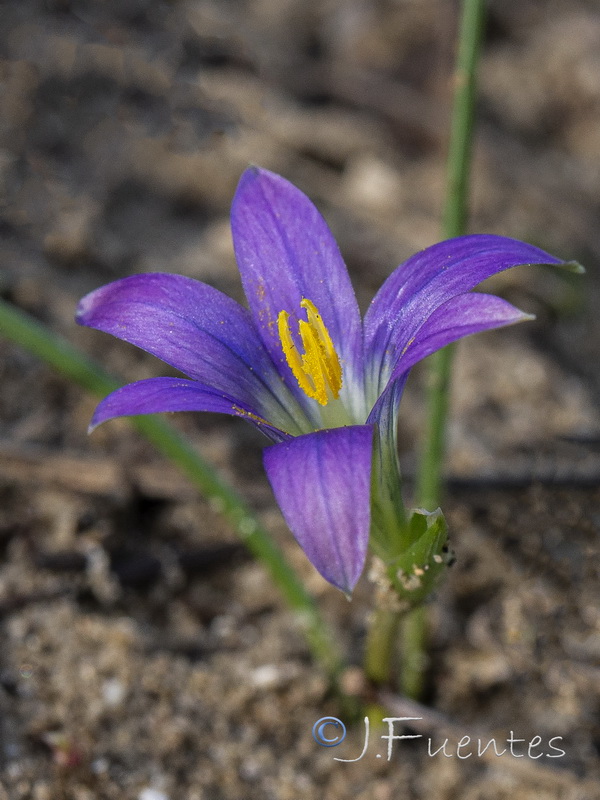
(568, 266)
(83, 309)
(252, 174)
(345, 583)
(94, 423)
(574, 266)
(261, 179)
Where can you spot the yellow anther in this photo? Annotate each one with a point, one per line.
(318, 369)
(291, 353)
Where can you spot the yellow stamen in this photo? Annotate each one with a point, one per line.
(318, 369)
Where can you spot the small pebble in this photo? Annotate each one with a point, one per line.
(152, 794)
(113, 692)
(266, 676)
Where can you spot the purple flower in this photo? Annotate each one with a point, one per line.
(300, 364)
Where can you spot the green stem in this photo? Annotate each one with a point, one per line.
(429, 483)
(429, 479)
(80, 369)
(413, 643)
(379, 650)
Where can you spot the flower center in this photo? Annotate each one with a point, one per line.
(317, 370)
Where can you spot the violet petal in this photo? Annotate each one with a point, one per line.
(286, 252)
(157, 395)
(322, 482)
(456, 318)
(425, 281)
(194, 328)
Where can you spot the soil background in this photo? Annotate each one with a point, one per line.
(145, 655)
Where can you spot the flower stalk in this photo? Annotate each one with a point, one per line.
(455, 215)
(382, 634)
(413, 624)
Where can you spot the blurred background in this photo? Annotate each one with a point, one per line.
(143, 650)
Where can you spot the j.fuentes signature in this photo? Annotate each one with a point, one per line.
(331, 731)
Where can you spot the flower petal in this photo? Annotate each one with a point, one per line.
(156, 395)
(196, 329)
(322, 482)
(429, 278)
(286, 252)
(456, 318)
